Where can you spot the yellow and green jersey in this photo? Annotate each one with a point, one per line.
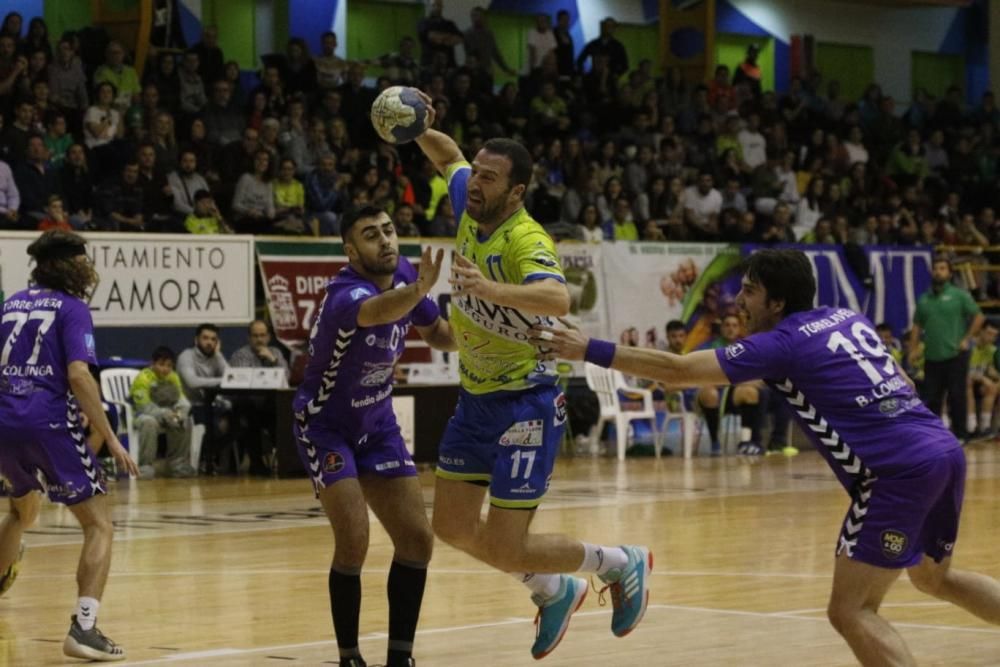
(493, 349)
(982, 359)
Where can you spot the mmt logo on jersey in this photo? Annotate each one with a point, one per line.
(735, 350)
(502, 320)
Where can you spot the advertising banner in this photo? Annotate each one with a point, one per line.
(295, 274)
(582, 265)
(649, 284)
(154, 279)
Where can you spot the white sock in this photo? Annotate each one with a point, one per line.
(986, 420)
(545, 585)
(86, 612)
(746, 434)
(599, 560)
(970, 421)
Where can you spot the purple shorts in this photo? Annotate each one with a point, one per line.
(329, 456)
(54, 458)
(894, 522)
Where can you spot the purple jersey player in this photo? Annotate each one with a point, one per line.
(904, 470)
(46, 347)
(346, 429)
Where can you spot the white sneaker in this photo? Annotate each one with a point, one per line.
(91, 644)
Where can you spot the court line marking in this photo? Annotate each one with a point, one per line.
(182, 657)
(616, 498)
(229, 572)
(884, 605)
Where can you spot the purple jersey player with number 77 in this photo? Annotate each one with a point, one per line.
(46, 349)
(904, 471)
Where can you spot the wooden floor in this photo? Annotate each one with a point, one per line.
(233, 572)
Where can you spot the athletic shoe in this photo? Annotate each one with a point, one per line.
(716, 449)
(553, 615)
(748, 448)
(147, 472)
(91, 644)
(183, 470)
(352, 662)
(410, 662)
(629, 590)
(790, 451)
(10, 574)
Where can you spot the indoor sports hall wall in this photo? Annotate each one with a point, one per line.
(887, 45)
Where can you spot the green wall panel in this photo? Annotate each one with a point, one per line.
(935, 72)
(375, 28)
(850, 64)
(641, 42)
(237, 29)
(63, 15)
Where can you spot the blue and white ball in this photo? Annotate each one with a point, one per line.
(399, 114)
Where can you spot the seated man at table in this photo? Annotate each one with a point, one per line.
(201, 369)
(161, 408)
(249, 411)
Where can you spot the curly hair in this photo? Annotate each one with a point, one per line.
(57, 265)
(66, 274)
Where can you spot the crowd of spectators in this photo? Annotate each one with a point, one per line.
(621, 153)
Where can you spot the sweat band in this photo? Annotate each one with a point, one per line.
(600, 352)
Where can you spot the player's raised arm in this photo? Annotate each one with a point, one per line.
(689, 370)
(439, 148)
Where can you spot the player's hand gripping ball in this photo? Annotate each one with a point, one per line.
(399, 114)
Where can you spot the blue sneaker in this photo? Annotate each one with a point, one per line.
(553, 616)
(629, 590)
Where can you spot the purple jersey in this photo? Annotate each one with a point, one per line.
(41, 332)
(349, 377)
(845, 390)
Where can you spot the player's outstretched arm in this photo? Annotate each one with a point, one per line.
(88, 395)
(541, 297)
(694, 369)
(439, 335)
(394, 304)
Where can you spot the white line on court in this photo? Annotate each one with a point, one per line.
(222, 574)
(183, 657)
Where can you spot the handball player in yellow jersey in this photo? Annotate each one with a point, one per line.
(511, 414)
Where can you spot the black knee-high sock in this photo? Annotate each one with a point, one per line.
(406, 591)
(750, 418)
(345, 604)
(712, 420)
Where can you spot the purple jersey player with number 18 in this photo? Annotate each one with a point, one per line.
(904, 470)
(46, 347)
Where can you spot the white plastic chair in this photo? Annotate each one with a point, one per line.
(116, 388)
(197, 433)
(605, 383)
(689, 422)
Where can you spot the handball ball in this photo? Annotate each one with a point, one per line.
(399, 114)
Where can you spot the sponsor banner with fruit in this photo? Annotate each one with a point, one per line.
(581, 263)
(649, 284)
